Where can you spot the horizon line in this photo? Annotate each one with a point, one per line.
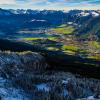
(46, 9)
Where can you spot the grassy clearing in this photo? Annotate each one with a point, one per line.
(69, 47)
(52, 48)
(63, 25)
(63, 29)
(96, 56)
(52, 38)
(69, 52)
(94, 44)
(34, 39)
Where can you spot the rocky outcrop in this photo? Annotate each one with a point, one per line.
(66, 86)
(16, 64)
(24, 76)
(18, 70)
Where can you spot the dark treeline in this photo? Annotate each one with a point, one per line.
(56, 59)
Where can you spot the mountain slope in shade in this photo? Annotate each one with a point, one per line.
(91, 27)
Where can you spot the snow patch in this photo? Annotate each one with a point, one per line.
(37, 20)
(43, 87)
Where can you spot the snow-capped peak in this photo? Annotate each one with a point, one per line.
(95, 14)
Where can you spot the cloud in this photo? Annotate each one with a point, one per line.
(50, 4)
(4, 2)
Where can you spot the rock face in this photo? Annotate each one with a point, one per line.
(14, 64)
(23, 76)
(66, 86)
(18, 70)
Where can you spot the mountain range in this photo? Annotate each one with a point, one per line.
(46, 12)
(12, 20)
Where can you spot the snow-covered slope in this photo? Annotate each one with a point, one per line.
(45, 12)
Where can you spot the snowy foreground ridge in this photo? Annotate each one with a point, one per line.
(24, 76)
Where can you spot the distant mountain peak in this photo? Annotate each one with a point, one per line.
(32, 12)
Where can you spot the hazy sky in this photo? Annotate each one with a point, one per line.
(50, 4)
